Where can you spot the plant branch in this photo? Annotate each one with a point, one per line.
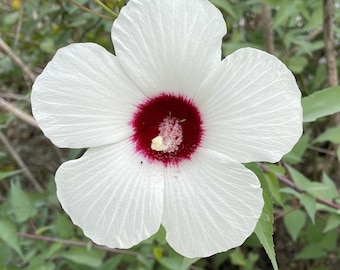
(328, 35)
(76, 243)
(290, 183)
(7, 106)
(20, 162)
(26, 71)
(267, 29)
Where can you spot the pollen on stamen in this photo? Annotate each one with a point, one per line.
(170, 135)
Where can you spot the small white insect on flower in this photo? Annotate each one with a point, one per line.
(168, 125)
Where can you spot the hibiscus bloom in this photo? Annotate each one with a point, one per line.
(168, 126)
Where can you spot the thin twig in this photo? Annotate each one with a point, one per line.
(18, 113)
(14, 96)
(77, 243)
(90, 10)
(20, 162)
(27, 72)
(290, 183)
(312, 35)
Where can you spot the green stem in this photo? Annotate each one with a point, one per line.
(107, 9)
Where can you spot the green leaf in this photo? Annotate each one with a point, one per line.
(63, 226)
(171, 262)
(11, 18)
(186, 262)
(332, 222)
(6, 254)
(145, 261)
(47, 45)
(312, 251)
(309, 203)
(82, 255)
(296, 63)
(332, 190)
(331, 134)
(8, 233)
(264, 227)
(323, 190)
(237, 257)
(4, 175)
(175, 261)
(274, 186)
(316, 19)
(22, 204)
(226, 6)
(321, 103)
(39, 262)
(299, 179)
(296, 154)
(286, 10)
(294, 222)
(338, 153)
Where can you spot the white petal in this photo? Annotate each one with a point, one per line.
(211, 204)
(168, 45)
(112, 194)
(83, 99)
(251, 107)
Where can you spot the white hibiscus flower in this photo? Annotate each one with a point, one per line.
(168, 126)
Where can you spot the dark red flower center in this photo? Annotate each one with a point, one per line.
(167, 128)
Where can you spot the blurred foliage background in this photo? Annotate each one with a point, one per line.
(35, 233)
